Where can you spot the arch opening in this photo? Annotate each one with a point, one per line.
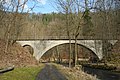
(64, 53)
(29, 48)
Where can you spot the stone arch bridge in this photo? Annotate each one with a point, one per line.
(42, 46)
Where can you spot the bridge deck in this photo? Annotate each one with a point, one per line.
(66, 38)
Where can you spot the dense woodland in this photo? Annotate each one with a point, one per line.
(53, 24)
(98, 23)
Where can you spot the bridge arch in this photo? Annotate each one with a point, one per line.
(82, 46)
(89, 46)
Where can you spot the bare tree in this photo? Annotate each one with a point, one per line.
(77, 16)
(12, 18)
(108, 23)
(65, 6)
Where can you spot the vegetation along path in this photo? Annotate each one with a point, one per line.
(50, 72)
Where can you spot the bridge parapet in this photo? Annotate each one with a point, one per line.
(66, 38)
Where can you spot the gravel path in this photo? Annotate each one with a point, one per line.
(50, 72)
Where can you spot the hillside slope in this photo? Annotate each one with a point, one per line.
(16, 55)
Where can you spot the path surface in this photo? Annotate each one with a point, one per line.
(50, 72)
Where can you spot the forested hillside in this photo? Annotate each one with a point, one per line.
(31, 25)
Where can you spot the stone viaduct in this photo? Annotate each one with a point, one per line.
(41, 46)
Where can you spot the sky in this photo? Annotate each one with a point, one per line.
(45, 6)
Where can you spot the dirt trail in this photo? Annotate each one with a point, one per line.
(50, 72)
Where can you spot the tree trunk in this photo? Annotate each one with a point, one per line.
(70, 52)
(105, 49)
(58, 53)
(75, 51)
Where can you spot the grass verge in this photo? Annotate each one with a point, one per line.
(74, 74)
(24, 73)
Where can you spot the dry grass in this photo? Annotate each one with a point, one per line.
(16, 55)
(74, 73)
